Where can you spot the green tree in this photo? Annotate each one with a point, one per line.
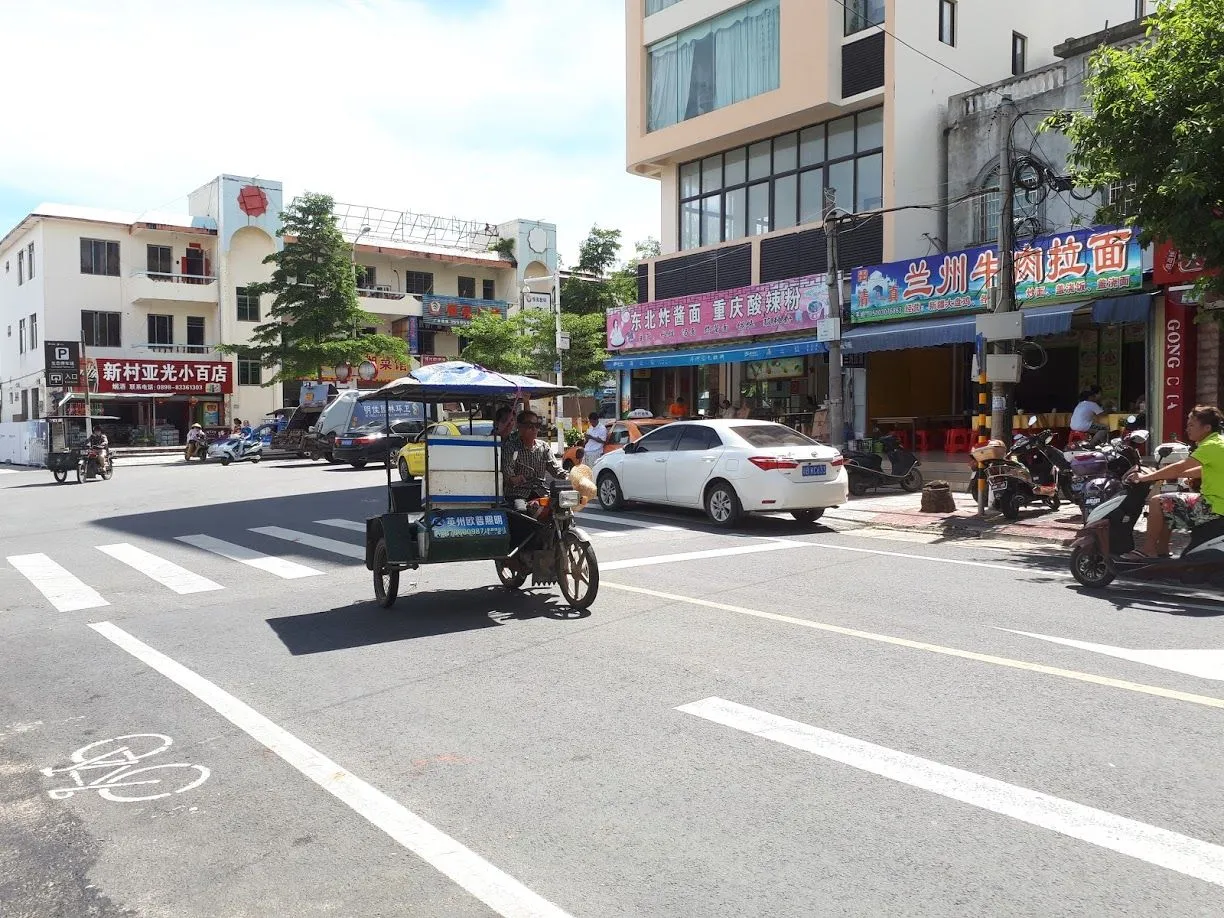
(1157, 123)
(501, 343)
(315, 318)
(604, 285)
(526, 343)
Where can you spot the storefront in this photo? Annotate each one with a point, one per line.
(157, 401)
(1085, 319)
(756, 347)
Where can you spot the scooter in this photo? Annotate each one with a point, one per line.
(236, 449)
(1121, 457)
(866, 470)
(1028, 474)
(1109, 533)
(196, 449)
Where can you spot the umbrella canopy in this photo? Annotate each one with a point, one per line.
(456, 380)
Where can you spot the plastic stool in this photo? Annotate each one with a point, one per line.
(1076, 437)
(922, 441)
(956, 440)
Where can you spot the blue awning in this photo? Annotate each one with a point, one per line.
(901, 335)
(1049, 320)
(1116, 309)
(702, 356)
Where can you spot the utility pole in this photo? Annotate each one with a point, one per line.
(1000, 424)
(836, 423)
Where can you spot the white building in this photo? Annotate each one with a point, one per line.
(151, 296)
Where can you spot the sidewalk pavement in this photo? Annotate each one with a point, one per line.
(901, 511)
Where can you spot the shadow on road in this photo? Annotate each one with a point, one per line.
(446, 612)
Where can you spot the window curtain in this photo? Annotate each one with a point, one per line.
(653, 6)
(664, 85)
(746, 53)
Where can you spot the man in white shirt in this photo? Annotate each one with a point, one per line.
(596, 439)
(1083, 418)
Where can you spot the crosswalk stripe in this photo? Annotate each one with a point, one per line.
(280, 567)
(621, 521)
(167, 573)
(62, 589)
(347, 549)
(350, 525)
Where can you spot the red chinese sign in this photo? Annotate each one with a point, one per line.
(179, 377)
(1180, 348)
(1171, 266)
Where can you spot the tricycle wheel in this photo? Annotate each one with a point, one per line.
(80, 470)
(511, 577)
(60, 475)
(577, 572)
(386, 580)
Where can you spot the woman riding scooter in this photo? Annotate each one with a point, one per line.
(1167, 512)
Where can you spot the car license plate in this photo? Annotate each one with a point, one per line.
(346, 442)
(812, 470)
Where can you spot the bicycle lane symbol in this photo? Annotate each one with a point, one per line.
(114, 758)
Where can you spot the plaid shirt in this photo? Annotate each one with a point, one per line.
(535, 462)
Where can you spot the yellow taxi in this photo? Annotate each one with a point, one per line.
(411, 459)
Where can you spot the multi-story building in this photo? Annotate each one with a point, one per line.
(753, 115)
(149, 297)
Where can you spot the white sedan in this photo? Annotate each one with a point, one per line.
(727, 468)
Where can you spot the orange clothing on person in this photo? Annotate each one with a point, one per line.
(677, 410)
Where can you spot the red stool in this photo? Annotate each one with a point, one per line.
(903, 437)
(1076, 437)
(956, 440)
(922, 441)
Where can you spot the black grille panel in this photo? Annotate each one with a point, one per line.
(643, 283)
(863, 65)
(793, 255)
(703, 272)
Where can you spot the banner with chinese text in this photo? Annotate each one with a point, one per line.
(448, 311)
(157, 377)
(764, 309)
(1075, 265)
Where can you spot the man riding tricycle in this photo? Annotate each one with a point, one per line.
(483, 497)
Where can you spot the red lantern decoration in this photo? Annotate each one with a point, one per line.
(252, 201)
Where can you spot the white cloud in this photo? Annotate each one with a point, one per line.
(481, 109)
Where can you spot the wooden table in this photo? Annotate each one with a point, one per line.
(893, 423)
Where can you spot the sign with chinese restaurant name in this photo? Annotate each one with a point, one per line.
(386, 370)
(781, 307)
(447, 311)
(1075, 265)
(1172, 266)
(157, 377)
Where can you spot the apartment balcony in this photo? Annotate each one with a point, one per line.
(384, 301)
(158, 287)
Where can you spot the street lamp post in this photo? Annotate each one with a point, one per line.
(526, 289)
(353, 260)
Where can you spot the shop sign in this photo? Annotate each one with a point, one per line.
(538, 302)
(122, 374)
(1179, 348)
(1171, 266)
(430, 359)
(1063, 267)
(63, 363)
(779, 368)
(387, 370)
(313, 393)
(778, 308)
(450, 311)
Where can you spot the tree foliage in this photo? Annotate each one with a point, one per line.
(604, 285)
(526, 343)
(1157, 123)
(315, 318)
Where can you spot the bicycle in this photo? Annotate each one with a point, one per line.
(118, 760)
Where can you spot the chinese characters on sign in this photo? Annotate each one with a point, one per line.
(488, 523)
(766, 309)
(448, 311)
(1050, 269)
(203, 377)
(1171, 266)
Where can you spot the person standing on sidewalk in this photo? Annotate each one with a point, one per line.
(596, 438)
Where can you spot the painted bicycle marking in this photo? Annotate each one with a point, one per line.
(114, 758)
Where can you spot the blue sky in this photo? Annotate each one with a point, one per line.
(481, 109)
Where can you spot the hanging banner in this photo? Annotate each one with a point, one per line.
(781, 307)
(1075, 265)
(451, 311)
(1180, 347)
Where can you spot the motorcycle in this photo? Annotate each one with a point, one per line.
(1109, 533)
(866, 470)
(236, 449)
(549, 547)
(93, 464)
(196, 449)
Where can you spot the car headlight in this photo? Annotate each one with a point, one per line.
(568, 500)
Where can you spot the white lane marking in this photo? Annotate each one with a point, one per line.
(1011, 568)
(8, 471)
(280, 567)
(492, 886)
(1171, 850)
(621, 521)
(168, 574)
(349, 525)
(1092, 678)
(1206, 664)
(347, 549)
(700, 555)
(62, 589)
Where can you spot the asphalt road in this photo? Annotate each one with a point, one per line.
(781, 720)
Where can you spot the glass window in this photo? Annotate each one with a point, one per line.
(160, 260)
(694, 437)
(841, 179)
(690, 180)
(811, 196)
(786, 201)
(248, 305)
(862, 14)
(947, 22)
(735, 166)
(841, 137)
(690, 225)
(488, 290)
(1019, 53)
(734, 222)
(250, 373)
(869, 194)
(711, 174)
(812, 146)
(195, 331)
(758, 209)
(467, 287)
(711, 219)
(765, 435)
(758, 160)
(418, 283)
(100, 329)
(619, 434)
(786, 153)
(870, 129)
(661, 440)
(654, 6)
(161, 329)
(717, 63)
(98, 256)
